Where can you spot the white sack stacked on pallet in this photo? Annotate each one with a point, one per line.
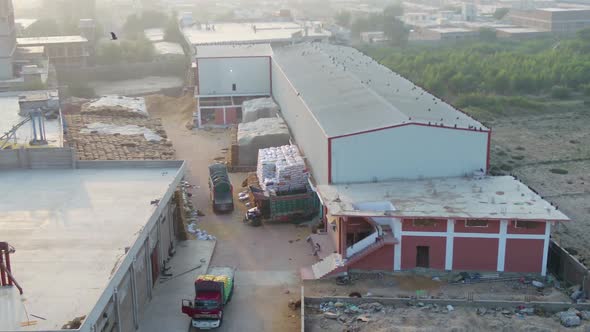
(281, 169)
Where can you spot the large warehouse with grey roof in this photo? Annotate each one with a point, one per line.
(401, 174)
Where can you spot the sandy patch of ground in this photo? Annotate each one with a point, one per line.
(538, 146)
(410, 318)
(417, 286)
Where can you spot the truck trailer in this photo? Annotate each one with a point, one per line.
(212, 292)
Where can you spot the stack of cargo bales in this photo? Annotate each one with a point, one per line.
(259, 108)
(260, 134)
(281, 169)
(227, 282)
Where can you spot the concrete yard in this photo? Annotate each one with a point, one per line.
(267, 258)
(70, 224)
(163, 311)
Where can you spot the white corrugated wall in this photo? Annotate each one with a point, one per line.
(306, 131)
(408, 152)
(250, 75)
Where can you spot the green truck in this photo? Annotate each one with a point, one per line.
(220, 188)
(293, 206)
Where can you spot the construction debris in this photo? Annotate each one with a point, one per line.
(74, 324)
(569, 318)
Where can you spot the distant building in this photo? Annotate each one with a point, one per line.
(468, 11)
(556, 20)
(68, 51)
(371, 37)
(22, 24)
(19, 66)
(520, 33)
(7, 39)
(255, 33)
(443, 34)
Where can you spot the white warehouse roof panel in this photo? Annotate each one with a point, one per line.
(348, 92)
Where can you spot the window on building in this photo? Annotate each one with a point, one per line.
(476, 223)
(425, 222)
(233, 87)
(526, 224)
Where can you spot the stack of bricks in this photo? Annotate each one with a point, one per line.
(96, 146)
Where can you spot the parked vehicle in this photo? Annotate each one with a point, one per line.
(212, 292)
(292, 206)
(220, 188)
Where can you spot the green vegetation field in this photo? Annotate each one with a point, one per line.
(496, 74)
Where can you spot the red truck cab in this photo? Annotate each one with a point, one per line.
(212, 292)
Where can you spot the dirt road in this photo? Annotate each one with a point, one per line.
(267, 258)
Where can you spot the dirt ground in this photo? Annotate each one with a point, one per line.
(267, 258)
(405, 318)
(151, 84)
(538, 146)
(401, 286)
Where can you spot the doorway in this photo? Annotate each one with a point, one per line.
(422, 256)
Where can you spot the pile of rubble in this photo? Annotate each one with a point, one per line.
(192, 214)
(121, 131)
(349, 314)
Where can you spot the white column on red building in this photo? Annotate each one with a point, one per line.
(546, 248)
(397, 248)
(224, 117)
(449, 244)
(502, 245)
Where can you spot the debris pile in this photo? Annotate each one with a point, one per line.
(192, 214)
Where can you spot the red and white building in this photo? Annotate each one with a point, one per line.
(401, 173)
(456, 223)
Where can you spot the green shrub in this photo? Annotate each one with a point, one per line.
(560, 92)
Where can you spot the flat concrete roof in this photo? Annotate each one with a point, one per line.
(32, 41)
(520, 30)
(450, 30)
(348, 92)
(241, 50)
(25, 22)
(9, 109)
(154, 34)
(570, 9)
(70, 228)
(31, 49)
(266, 32)
(491, 197)
(168, 48)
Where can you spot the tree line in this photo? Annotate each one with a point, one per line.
(387, 21)
(498, 67)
